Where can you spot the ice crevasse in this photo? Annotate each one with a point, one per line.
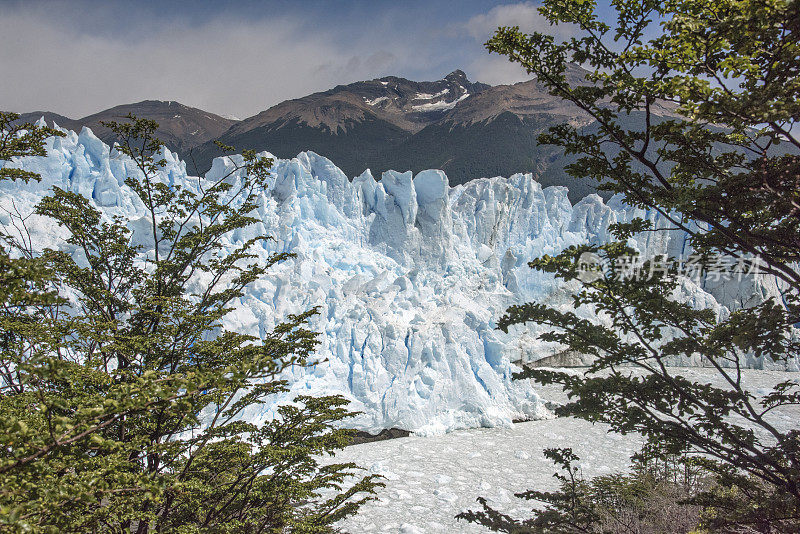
(410, 275)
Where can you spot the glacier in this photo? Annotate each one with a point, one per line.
(409, 274)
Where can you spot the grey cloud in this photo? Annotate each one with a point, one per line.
(224, 66)
(496, 69)
(524, 14)
(80, 58)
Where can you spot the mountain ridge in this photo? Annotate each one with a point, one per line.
(468, 129)
(180, 127)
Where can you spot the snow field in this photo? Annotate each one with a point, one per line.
(431, 479)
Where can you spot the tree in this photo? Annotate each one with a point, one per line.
(122, 394)
(694, 106)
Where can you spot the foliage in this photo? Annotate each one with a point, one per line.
(123, 396)
(649, 499)
(695, 105)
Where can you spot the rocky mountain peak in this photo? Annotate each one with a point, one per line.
(457, 75)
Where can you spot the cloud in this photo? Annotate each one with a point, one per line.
(497, 70)
(223, 65)
(494, 69)
(83, 56)
(525, 15)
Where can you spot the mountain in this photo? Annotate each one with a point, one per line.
(404, 104)
(468, 129)
(355, 125)
(409, 274)
(180, 127)
(50, 118)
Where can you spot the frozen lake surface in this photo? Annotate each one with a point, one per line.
(431, 479)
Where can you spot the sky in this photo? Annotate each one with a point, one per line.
(232, 58)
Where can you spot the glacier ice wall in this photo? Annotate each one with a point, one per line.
(410, 274)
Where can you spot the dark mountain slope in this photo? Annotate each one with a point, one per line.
(470, 130)
(501, 146)
(350, 124)
(353, 147)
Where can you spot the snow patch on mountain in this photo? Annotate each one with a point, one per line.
(440, 105)
(375, 101)
(430, 96)
(410, 275)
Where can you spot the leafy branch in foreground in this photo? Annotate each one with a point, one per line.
(123, 396)
(651, 498)
(694, 107)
